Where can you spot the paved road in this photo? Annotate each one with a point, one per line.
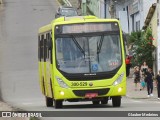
(19, 23)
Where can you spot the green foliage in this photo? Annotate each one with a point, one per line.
(142, 47)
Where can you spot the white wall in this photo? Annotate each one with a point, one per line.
(146, 5)
(158, 39)
(97, 6)
(123, 21)
(102, 9)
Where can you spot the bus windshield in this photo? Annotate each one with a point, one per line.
(88, 54)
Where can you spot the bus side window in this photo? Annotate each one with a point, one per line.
(41, 48)
(39, 58)
(45, 49)
(50, 47)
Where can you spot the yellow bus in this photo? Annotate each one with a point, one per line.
(82, 58)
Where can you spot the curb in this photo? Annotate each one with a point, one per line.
(136, 97)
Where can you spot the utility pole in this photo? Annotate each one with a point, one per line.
(112, 9)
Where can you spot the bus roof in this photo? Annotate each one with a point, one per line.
(89, 18)
(74, 19)
(45, 28)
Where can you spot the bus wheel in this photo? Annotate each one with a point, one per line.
(116, 101)
(105, 101)
(49, 102)
(58, 103)
(95, 102)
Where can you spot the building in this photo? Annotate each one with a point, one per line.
(131, 13)
(153, 21)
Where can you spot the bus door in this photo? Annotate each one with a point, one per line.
(48, 59)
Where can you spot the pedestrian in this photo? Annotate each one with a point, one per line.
(158, 84)
(149, 82)
(144, 68)
(137, 78)
(128, 65)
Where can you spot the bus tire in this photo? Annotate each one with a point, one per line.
(95, 102)
(58, 104)
(49, 102)
(116, 101)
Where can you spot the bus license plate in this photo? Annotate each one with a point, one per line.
(91, 95)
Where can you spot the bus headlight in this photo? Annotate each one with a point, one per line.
(61, 83)
(118, 80)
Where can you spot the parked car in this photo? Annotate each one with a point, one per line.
(66, 11)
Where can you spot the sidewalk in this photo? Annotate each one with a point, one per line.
(5, 107)
(137, 94)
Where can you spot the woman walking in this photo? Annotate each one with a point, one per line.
(144, 68)
(137, 78)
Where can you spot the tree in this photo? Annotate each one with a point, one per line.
(142, 47)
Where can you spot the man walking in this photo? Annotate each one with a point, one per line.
(149, 81)
(128, 65)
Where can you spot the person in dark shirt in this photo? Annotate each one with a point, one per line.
(144, 68)
(149, 81)
(137, 77)
(128, 65)
(158, 85)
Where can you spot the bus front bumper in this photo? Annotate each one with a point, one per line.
(82, 93)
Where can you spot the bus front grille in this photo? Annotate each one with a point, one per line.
(82, 93)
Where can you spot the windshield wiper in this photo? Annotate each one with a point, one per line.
(77, 44)
(99, 46)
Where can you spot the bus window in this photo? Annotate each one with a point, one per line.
(47, 46)
(81, 54)
(45, 49)
(38, 48)
(41, 48)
